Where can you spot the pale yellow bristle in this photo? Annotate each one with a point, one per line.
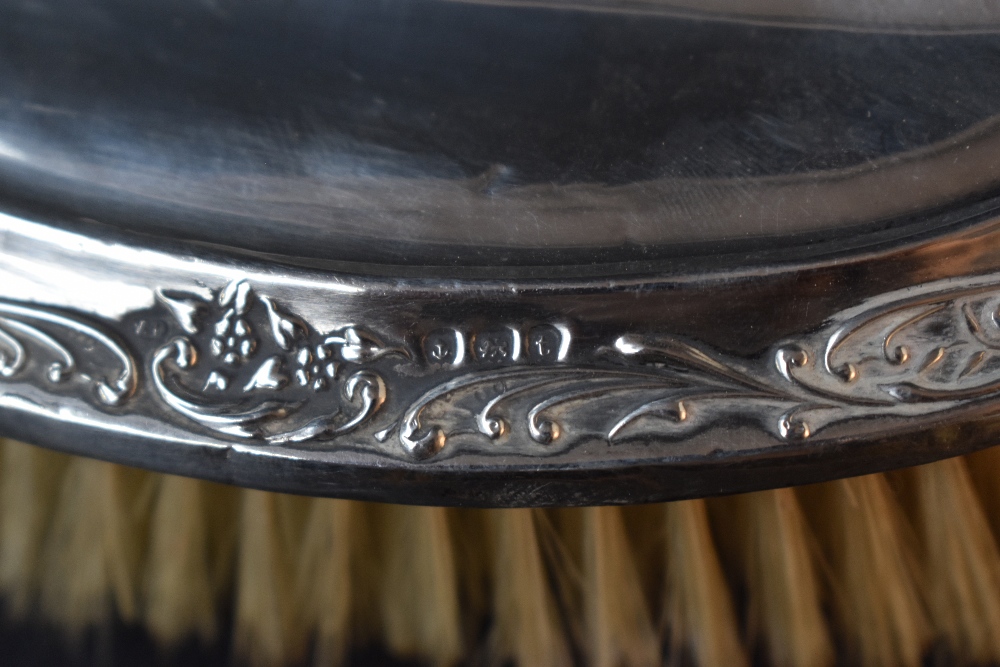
(221, 506)
(264, 634)
(961, 560)
(324, 578)
(419, 599)
(473, 544)
(91, 555)
(367, 574)
(646, 531)
(179, 592)
(697, 608)
(875, 576)
(526, 630)
(984, 468)
(784, 609)
(30, 478)
(83, 541)
(618, 629)
(560, 538)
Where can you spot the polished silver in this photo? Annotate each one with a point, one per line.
(321, 381)
(501, 252)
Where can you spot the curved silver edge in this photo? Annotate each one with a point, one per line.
(496, 392)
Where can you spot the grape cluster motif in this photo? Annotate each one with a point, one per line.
(316, 367)
(234, 340)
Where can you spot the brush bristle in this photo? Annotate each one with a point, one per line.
(771, 542)
(527, 629)
(323, 578)
(698, 612)
(30, 479)
(616, 620)
(90, 557)
(961, 561)
(875, 586)
(873, 571)
(179, 598)
(265, 634)
(421, 617)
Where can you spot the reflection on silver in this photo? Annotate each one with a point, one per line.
(236, 361)
(240, 419)
(937, 349)
(913, 17)
(922, 350)
(263, 408)
(20, 323)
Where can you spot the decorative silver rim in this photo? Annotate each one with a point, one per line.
(489, 392)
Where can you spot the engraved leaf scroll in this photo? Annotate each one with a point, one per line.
(899, 355)
(242, 366)
(67, 351)
(653, 386)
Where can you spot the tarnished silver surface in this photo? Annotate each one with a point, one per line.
(502, 136)
(324, 382)
(501, 252)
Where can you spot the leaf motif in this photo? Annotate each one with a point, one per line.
(973, 364)
(285, 329)
(359, 346)
(185, 307)
(268, 376)
(932, 359)
(238, 294)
